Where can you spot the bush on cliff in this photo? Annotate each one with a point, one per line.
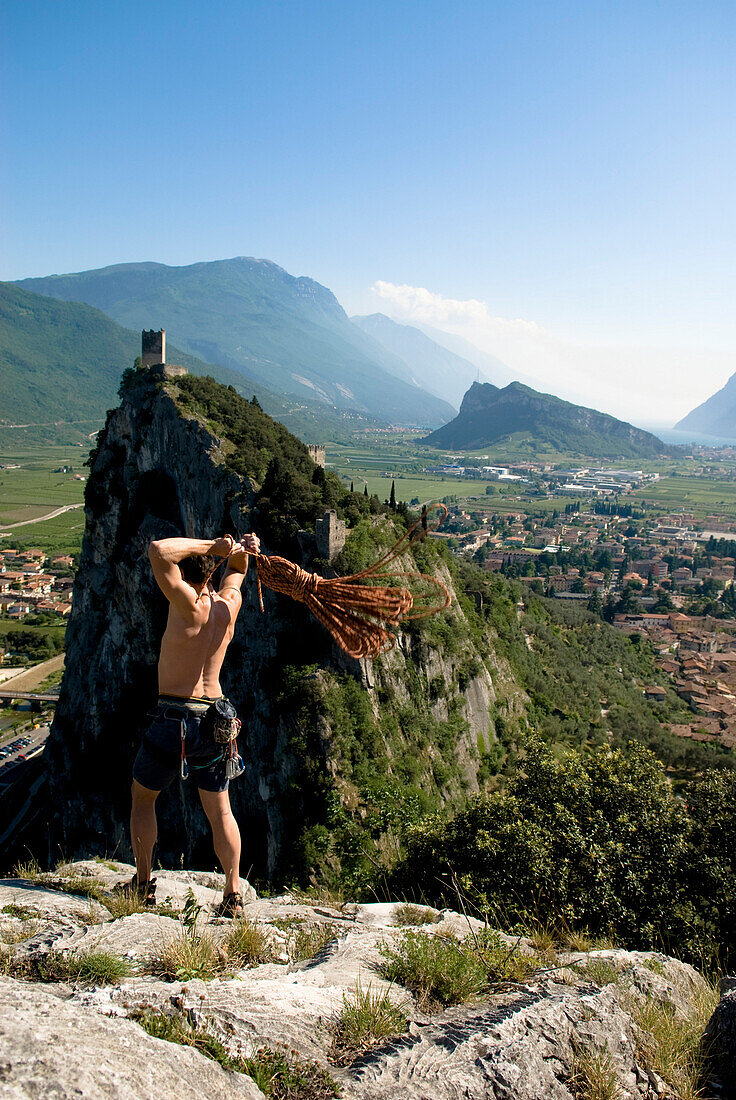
(592, 839)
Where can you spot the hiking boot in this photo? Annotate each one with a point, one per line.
(230, 906)
(144, 891)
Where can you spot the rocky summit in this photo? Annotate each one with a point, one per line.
(266, 1019)
(489, 414)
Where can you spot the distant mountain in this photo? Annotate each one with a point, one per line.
(716, 416)
(493, 369)
(489, 414)
(62, 361)
(288, 334)
(428, 364)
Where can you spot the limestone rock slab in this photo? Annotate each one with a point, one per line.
(53, 1049)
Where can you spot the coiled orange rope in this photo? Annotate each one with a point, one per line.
(359, 616)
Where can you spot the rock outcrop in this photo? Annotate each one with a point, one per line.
(160, 470)
(522, 1041)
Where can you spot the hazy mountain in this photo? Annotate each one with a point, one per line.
(62, 361)
(716, 416)
(289, 334)
(489, 414)
(428, 364)
(493, 369)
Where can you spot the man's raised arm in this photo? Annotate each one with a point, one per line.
(237, 565)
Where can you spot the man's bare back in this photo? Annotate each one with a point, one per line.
(201, 621)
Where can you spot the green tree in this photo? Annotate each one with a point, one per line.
(595, 839)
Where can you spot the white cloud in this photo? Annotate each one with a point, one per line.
(434, 309)
(644, 385)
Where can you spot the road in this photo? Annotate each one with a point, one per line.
(39, 519)
(30, 678)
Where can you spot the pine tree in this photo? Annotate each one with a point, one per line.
(392, 497)
(352, 487)
(365, 491)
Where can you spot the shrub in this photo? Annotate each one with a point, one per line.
(595, 840)
(442, 970)
(435, 968)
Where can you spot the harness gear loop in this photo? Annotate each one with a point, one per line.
(184, 765)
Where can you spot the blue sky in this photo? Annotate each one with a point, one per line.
(568, 167)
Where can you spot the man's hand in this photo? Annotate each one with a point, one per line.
(237, 562)
(223, 546)
(251, 543)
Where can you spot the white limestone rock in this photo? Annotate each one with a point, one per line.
(55, 1049)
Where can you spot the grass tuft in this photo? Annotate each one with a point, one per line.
(176, 1029)
(543, 938)
(30, 869)
(21, 912)
(19, 933)
(365, 1018)
(189, 956)
(289, 1078)
(443, 971)
(92, 967)
(78, 884)
(674, 1047)
(305, 940)
(248, 944)
(408, 914)
(598, 971)
(594, 1076)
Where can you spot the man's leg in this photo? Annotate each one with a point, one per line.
(225, 835)
(143, 828)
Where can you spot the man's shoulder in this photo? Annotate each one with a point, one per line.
(232, 597)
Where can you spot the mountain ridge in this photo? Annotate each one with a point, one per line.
(62, 361)
(489, 414)
(288, 333)
(430, 364)
(716, 415)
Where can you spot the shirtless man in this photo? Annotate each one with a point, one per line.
(199, 629)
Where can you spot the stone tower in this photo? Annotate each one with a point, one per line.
(317, 453)
(331, 533)
(153, 347)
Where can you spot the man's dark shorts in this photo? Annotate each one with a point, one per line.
(159, 758)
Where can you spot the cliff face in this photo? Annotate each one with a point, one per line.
(316, 726)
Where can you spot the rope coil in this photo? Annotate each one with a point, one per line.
(360, 616)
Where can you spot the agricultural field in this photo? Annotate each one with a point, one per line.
(31, 487)
(399, 459)
(701, 495)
